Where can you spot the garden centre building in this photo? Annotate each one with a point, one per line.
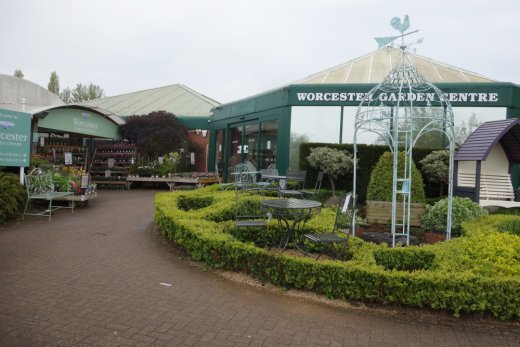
(268, 128)
(58, 126)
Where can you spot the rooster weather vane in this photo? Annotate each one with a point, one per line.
(401, 27)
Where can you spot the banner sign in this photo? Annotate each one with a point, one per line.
(406, 97)
(15, 138)
(478, 95)
(81, 122)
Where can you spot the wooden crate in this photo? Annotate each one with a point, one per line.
(380, 212)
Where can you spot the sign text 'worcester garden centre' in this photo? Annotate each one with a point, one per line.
(15, 138)
(394, 97)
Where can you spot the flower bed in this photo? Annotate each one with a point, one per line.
(476, 273)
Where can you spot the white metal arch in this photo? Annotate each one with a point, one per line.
(403, 108)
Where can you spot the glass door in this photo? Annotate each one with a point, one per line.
(235, 146)
(254, 144)
(268, 144)
(250, 148)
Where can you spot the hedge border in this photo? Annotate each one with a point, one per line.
(206, 241)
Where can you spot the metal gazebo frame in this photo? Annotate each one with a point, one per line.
(400, 110)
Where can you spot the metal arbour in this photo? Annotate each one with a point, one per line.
(400, 110)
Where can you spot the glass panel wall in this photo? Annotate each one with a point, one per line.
(268, 144)
(250, 148)
(312, 124)
(219, 152)
(235, 147)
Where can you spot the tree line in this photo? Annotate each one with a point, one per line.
(80, 93)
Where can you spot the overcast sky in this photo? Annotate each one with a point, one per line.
(229, 49)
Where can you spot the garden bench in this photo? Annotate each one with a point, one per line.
(40, 186)
(492, 187)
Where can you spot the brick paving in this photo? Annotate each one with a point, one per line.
(103, 277)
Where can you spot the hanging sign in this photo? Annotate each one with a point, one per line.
(68, 158)
(15, 138)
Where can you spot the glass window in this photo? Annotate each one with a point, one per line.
(312, 124)
(235, 147)
(268, 144)
(250, 147)
(219, 151)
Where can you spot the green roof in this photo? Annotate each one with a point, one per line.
(177, 99)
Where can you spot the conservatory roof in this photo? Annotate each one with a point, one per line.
(375, 66)
(478, 145)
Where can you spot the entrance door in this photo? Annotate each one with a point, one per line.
(253, 144)
(243, 146)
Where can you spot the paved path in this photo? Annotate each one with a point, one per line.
(96, 278)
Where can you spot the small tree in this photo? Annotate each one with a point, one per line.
(332, 162)
(66, 95)
(436, 167)
(463, 130)
(18, 73)
(83, 93)
(155, 133)
(54, 83)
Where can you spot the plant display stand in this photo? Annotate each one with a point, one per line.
(172, 181)
(110, 165)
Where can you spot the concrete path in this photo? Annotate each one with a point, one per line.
(103, 277)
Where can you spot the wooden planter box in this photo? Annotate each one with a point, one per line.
(380, 212)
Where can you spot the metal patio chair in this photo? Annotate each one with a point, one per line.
(246, 215)
(297, 176)
(344, 215)
(308, 193)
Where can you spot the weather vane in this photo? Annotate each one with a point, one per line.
(401, 27)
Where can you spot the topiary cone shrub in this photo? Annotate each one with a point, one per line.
(379, 192)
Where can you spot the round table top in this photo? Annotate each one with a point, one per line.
(291, 204)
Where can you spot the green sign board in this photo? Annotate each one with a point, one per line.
(81, 122)
(15, 138)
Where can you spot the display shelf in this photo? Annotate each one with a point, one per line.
(57, 153)
(110, 165)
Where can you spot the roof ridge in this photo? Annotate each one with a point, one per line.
(210, 100)
(130, 93)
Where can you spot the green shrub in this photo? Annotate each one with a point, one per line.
(186, 203)
(12, 197)
(479, 272)
(368, 155)
(483, 251)
(380, 186)
(405, 259)
(462, 210)
(512, 210)
(512, 227)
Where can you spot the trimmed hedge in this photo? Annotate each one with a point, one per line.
(453, 283)
(368, 155)
(405, 259)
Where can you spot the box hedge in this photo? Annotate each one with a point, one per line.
(478, 273)
(368, 155)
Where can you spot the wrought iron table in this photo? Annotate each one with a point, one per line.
(294, 213)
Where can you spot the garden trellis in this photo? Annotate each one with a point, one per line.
(401, 109)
